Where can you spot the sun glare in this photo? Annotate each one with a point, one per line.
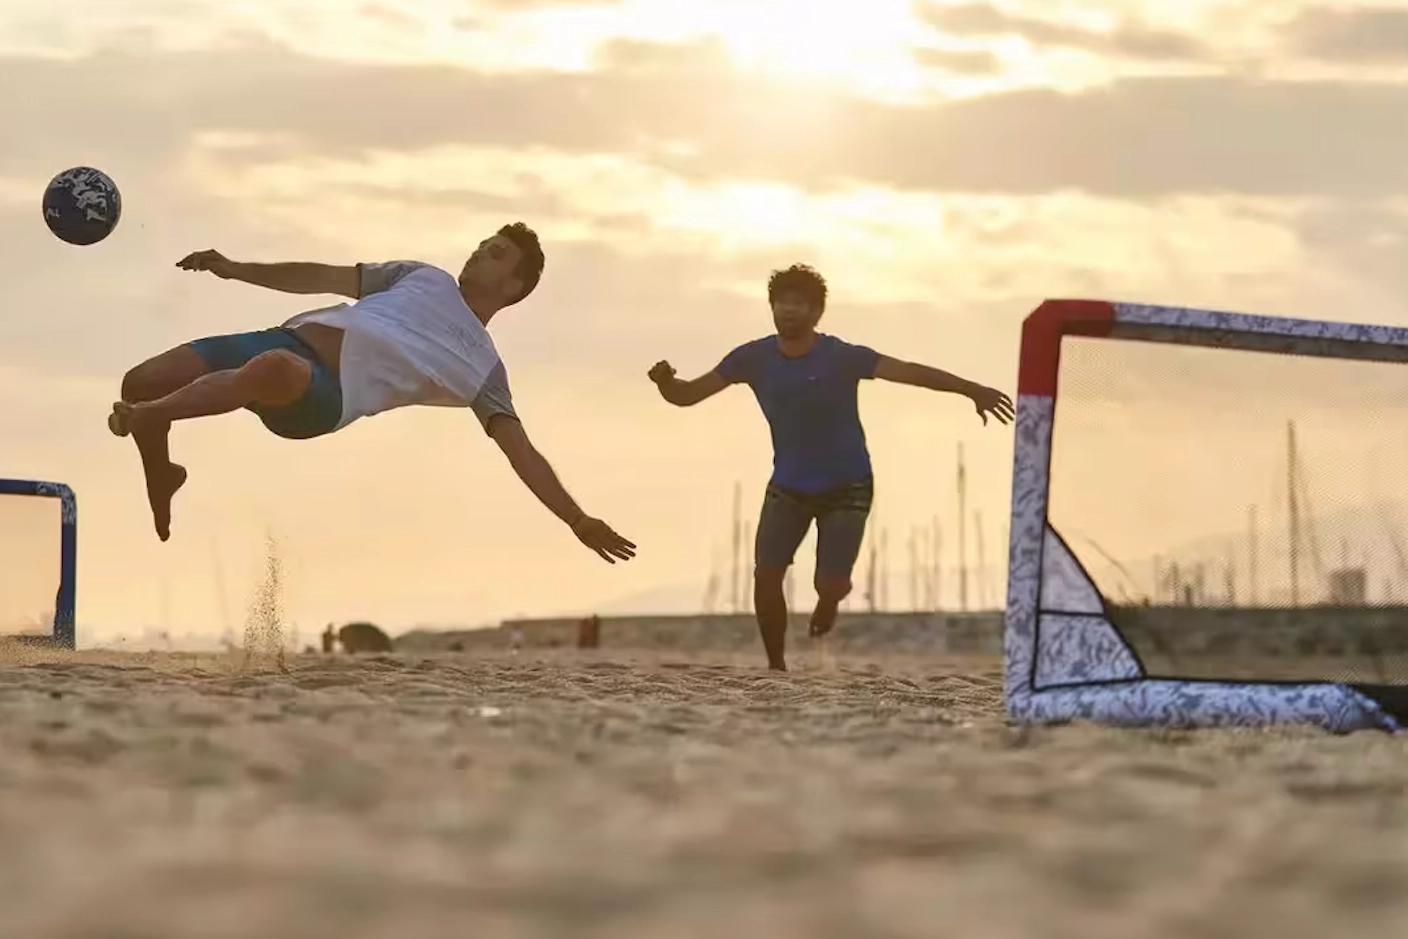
(865, 50)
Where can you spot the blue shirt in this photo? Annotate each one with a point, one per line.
(811, 407)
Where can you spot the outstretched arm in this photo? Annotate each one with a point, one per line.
(924, 376)
(537, 474)
(301, 277)
(686, 393)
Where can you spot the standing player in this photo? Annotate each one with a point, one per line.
(414, 335)
(806, 384)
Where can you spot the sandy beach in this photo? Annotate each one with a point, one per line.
(609, 793)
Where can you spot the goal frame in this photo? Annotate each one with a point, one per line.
(1064, 660)
(66, 602)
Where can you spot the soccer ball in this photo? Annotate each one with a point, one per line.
(82, 205)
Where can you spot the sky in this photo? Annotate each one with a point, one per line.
(945, 165)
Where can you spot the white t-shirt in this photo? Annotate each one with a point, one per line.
(411, 339)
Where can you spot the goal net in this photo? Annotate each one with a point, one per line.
(37, 527)
(1210, 519)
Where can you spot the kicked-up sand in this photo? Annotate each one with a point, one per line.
(635, 796)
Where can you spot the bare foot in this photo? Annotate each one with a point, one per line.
(132, 418)
(160, 492)
(823, 618)
(117, 420)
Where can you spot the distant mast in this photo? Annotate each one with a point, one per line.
(962, 533)
(871, 584)
(735, 587)
(982, 560)
(1294, 509)
(1252, 593)
(936, 574)
(745, 580)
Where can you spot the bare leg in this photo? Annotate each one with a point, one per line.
(830, 591)
(164, 478)
(782, 524)
(273, 379)
(152, 379)
(839, 533)
(770, 603)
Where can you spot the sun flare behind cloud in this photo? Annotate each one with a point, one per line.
(865, 49)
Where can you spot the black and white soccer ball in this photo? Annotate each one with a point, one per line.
(82, 205)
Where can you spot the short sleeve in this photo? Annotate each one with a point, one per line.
(857, 362)
(379, 276)
(494, 398)
(740, 365)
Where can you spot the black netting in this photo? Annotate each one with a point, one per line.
(29, 564)
(1244, 514)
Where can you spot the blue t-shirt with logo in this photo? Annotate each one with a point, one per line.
(811, 407)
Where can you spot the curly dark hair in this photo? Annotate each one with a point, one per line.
(530, 265)
(800, 279)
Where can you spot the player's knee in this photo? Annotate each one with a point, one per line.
(137, 383)
(276, 377)
(768, 578)
(832, 587)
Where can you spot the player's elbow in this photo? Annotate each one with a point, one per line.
(679, 396)
(688, 393)
(512, 439)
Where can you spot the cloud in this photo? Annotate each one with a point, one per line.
(1351, 35)
(960, 61)
(521, 6)
(632, 56)
(1128, 40)
(1368, 240)
(1134, 139)
(629, 226)
(389, 16)
(485, 14)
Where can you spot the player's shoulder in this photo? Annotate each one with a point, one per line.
(759, 345)
(836, 344)
(401, 266)
(406, 266)
(377, 276)
(750, 354)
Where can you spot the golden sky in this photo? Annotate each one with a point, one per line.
(946, 166)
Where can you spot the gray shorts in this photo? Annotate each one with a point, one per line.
(840, 515)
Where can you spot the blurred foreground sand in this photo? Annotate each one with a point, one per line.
(609, 794)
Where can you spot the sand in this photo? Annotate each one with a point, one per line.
(620, 795)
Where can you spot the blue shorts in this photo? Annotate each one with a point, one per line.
(317, 412)
(840, 515)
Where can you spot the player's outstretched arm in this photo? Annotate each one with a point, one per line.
(985, 400)
(537, 474)
(302, 277)
(685, 393)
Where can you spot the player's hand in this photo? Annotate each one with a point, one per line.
(211, 260)
(661, 372)
(991, 401)
(597, 535)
